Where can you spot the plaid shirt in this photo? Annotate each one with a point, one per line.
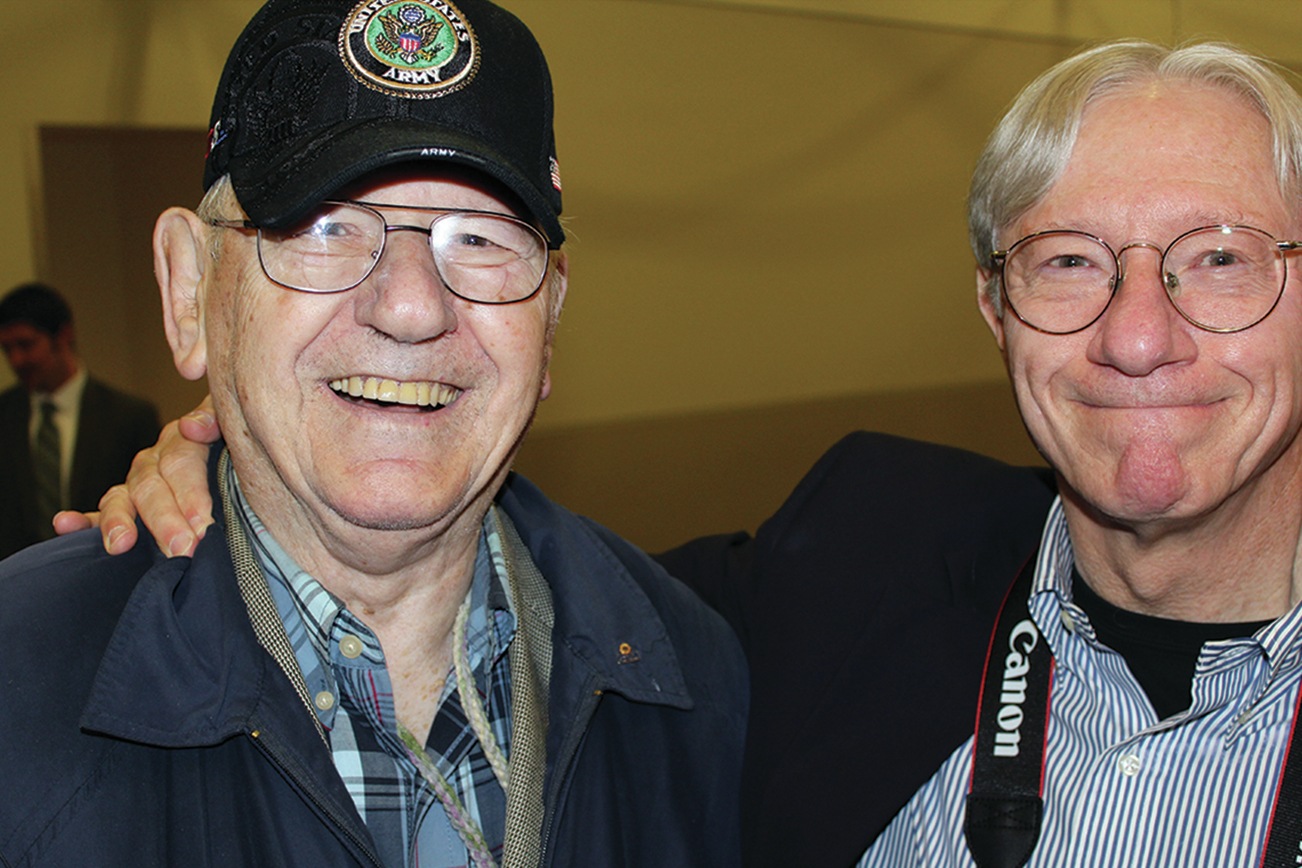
(344, 669)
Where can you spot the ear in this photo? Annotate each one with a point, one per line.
(180, 261)
(994, 321)
(559, 284)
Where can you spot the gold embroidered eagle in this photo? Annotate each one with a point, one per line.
(410, 40)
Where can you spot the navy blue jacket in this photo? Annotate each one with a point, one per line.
(865, 606)
(144, 726)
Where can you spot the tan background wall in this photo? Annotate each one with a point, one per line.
(765, 200)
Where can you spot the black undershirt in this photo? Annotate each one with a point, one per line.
(1160, 652)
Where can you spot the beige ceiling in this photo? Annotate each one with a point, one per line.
(765, 197)
(1268, 26)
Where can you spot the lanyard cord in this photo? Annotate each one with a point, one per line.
(1005, 806)
(473, 703)
(465, 825)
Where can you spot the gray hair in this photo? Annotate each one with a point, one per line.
(1030, 147)
(218, 203)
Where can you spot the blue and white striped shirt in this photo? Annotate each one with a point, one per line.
(1123, 788)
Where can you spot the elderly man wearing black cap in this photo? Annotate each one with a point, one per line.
(388, 651)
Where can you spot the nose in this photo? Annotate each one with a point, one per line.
(404, 297)
(1141, 330)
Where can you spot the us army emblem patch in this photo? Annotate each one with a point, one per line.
(414, 48)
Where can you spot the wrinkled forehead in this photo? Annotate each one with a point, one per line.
(1168, 149)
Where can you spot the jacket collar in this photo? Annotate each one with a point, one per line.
(605, 622)
(184, 667)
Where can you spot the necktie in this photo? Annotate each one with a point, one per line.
(46, 467)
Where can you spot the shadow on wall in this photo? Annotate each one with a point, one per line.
(660, 482)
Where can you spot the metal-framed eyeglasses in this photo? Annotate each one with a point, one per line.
(1220, 278)
(481, 256)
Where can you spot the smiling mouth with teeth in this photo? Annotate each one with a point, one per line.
(425, 395)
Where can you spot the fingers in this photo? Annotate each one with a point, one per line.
(168, 487)
(200, 424)
(122, 535)
(183, 470)
(183, 464)
(116, 520)
(68, 521)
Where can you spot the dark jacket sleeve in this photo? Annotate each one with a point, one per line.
(864, 606)
(718, 569)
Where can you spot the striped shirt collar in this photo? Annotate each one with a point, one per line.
(1280, 640)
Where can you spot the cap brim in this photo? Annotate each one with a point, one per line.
(309, 174)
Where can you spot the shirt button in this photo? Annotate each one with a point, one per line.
(1128, 764)
(325, 700)
(350, 647)
(1068, 622)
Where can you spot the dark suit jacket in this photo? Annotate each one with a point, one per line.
(114, 426)
(865, 606)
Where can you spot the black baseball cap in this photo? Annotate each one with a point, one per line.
(317, 93)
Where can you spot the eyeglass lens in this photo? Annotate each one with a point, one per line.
(481, 257)
(1220, 278)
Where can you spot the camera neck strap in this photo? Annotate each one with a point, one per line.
(1005, 800)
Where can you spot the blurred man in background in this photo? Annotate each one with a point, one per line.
(64, 434)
